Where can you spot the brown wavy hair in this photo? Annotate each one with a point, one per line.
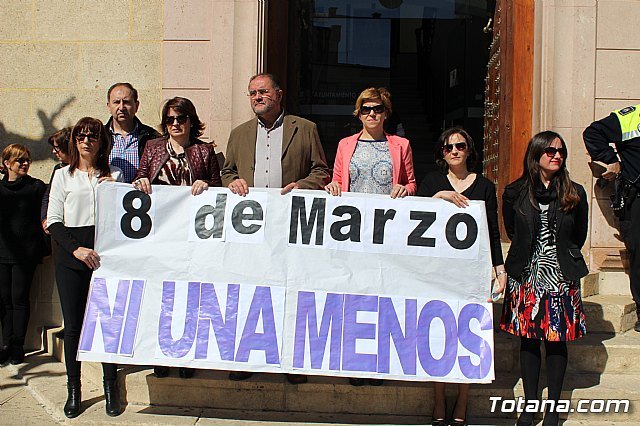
(568, 197)
(95, 126)
(186, 107)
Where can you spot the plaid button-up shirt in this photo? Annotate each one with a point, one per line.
(124, 153)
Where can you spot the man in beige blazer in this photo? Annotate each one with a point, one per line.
(273, 150)
(298, 160)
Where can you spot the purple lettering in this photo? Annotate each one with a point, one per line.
(474, 343)
(210, 316)
(437, 367)
(389, 328)
(133, 315)
(178, 348)
(98, 308)
(353, 330)
(306, 319)
(261, 306)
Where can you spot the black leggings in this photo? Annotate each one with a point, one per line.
(530, 361)
(15, 284)
(73, 287)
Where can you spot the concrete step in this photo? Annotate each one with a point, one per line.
(322, 400)
(609, 313)
(590, 285)
(614, 282)
(324, 396)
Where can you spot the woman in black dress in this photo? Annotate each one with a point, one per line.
(456, 182)
(546, 217)
(21, 247)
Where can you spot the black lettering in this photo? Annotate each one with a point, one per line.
(380, 219)
(299, 216)
(218, 218)
(416, 237)
(452, 226)
(126, 222)
(238, 216)
(354, 222)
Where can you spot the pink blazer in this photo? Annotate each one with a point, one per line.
(401, 162)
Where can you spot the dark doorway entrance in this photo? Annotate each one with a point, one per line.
(431, 54)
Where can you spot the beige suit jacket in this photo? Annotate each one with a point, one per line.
(303, 160)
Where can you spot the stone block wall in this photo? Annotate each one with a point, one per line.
(58, 59)
(586, 57)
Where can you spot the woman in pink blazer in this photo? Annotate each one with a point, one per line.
(373, 161)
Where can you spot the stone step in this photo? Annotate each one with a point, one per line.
(594, 353)
(45, 379)
(590, 285)
(614, 282)
(609, 313)
(324, 396)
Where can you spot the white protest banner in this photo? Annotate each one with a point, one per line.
(353, 286)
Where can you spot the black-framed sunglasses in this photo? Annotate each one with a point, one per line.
(551, 151)
(460, 146)
(55, 148)
(80, 137)
(366, 110)
(181, 119)
(22, 161)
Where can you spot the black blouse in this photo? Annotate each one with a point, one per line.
(482, 189)
(21, 235)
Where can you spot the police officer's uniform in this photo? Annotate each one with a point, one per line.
(622, 128)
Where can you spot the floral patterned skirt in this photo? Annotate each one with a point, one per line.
(538, 313)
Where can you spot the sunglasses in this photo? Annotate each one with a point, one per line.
(80, 137)
(552, 151)
(56, 148)
(181, 119)
(460, 146)
(366, 110)
(22, 161)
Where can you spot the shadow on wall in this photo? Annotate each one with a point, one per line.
(40, 150)
(603, 190)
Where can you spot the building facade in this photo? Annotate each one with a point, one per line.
(571, 61)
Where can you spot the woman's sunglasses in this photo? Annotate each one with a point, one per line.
(366, 110)
(460, 146)
(552, 151)
(22, 161)
(181, 119)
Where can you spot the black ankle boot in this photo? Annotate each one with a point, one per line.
(17, 354)
(4, 355)
(111, 398)
(72, 406)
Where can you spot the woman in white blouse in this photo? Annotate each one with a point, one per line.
(71, 222)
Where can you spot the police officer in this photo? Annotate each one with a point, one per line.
(622, 128)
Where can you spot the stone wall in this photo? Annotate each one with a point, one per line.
(58, 59)
(586, 57)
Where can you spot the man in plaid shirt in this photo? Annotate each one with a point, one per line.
(128, 134)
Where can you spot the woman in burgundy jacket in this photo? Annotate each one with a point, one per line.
(178, 158)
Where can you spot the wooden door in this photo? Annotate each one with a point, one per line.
(508, 92)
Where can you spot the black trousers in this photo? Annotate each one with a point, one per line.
(15, 285)
(631, 233)
(73, 288)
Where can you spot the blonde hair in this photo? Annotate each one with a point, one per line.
(12, 153)
(374, 94)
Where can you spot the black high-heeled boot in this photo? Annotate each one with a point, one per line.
(111, 398)
(74, 398)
